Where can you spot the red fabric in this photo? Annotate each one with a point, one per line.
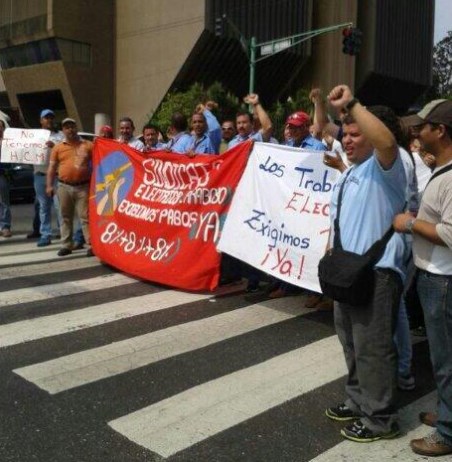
(173, 243)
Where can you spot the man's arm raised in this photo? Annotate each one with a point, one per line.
(372, 128)
(264, 119)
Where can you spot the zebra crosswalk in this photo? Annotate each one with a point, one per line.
(120, 369)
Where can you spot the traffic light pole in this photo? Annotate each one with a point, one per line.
(253, 61)
(273, 47)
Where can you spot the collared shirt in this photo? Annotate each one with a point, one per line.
(156, 147)
(179, 143)
(256, 136)
(308, 143)
(134, 143)
(213, 129)
(372, 197)
(73, 160)
(202, 145)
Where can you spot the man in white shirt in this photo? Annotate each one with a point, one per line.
(432, 250)
(126, 129)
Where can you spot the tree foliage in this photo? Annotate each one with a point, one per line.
(186, 102)
(228, 105)
(442, 67)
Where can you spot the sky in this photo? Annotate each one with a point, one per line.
(443, 19)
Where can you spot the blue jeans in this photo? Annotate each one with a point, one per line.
(5, 209)
(403, 340)
(45, 206)
(435, 293)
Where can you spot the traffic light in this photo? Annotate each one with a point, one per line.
(219, 27)
(351, 42)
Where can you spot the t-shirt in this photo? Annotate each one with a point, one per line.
(436, 207)
(372, 197)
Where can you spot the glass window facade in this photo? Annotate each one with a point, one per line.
(43, 51)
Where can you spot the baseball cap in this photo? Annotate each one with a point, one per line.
(106, 128)
(46, 112)
(438, 111)
(298, 119)
(68, 120)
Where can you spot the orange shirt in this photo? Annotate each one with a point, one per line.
(73, 160)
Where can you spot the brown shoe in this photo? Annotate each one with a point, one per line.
(325, 305)
(313, 300)
(428, 418)
(6, 232)
(277, 293)
(432, 445)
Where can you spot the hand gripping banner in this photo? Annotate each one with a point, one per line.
(158, 216)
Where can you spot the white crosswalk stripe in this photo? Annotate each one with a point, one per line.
(47, 326)
(182, 420)
(192, 416)
(32, 269)
(88, 366)
(45, 292)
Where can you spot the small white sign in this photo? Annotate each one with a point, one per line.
(25, 146)
(275, 46)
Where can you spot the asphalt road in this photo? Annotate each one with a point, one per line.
(96, 366)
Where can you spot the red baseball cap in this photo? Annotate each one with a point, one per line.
(298, 119)
(106, 128)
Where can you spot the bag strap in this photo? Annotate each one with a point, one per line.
(337, 244)
(376, 250)
(438, 173)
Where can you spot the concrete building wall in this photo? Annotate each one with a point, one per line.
(92, 86)
(328, 66)
(153, 41)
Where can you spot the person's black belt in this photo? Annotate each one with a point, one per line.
(40, 173)
(80, 183)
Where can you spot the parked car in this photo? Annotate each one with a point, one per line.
(21, 182)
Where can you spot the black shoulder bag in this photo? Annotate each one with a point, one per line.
(348, 277)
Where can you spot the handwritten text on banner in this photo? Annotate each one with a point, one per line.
(279, 219)
(159, 217)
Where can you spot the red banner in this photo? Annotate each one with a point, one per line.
(159, 217)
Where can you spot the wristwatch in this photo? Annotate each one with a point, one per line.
(409, 225)
(351, 103)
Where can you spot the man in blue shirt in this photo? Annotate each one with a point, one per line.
(200, 142)
(244, 123)
(180, 140)
(298, 125)
(374, 192)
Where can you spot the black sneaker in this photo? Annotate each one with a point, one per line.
(406, 382)
(359, 433)
(341, 412)
(33, 235)
(64, 251)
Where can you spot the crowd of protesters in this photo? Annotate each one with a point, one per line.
(394, 172)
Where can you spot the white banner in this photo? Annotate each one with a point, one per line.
(279, 218)
(25, 146)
